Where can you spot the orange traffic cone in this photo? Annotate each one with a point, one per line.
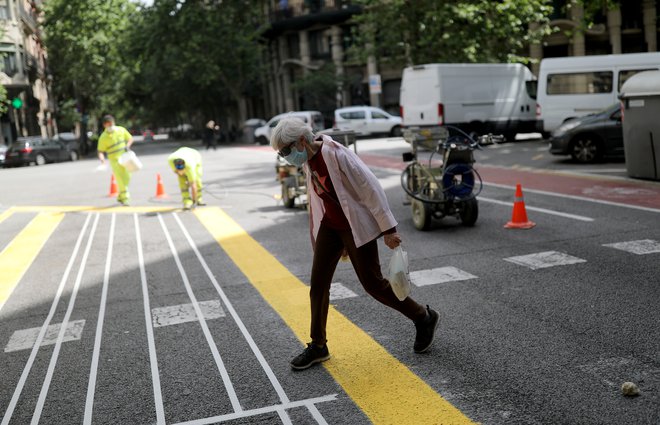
(160, 190)
(519, 218)
(113, 187)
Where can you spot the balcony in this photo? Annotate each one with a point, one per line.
(299, 15)
(29, 18)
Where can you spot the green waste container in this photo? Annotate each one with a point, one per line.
(640, 99)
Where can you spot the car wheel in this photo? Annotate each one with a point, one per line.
(586, 148)
(73, 156)
(396, 131)
(40, 159)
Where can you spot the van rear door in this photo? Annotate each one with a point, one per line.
(420, 96)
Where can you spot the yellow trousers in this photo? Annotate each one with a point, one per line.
(123, 178)
(184, 185)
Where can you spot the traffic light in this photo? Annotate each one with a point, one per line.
(17, 103)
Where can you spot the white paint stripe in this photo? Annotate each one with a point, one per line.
(153, 359)
(338, 291)
(91, 385)
(184, 313)
(230, 308)
(25, 338)
(316, 414)
(262, 410)
(542, 260)
(26, 370)
(641, 247)
(236, 404)
(541, 210)
(577, 198)
(56, 351)
(439, 275)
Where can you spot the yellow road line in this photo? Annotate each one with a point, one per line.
(95, 209)
(16, 258)
(385, 389)
(5, 215)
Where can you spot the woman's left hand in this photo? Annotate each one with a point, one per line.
(392, 240)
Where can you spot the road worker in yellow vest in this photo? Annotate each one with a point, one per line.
(187, 164)
(114, 141)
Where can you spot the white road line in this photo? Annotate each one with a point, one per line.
(24, 339)
(56, 351)
(153, 360)
(439, 275)
(91, 386)
(541, 210)
(236, 404)
(26, 370)
(230, 308)
(641, 247)
(577, 198)
(263, 410)
(338, 292)
(542, 260)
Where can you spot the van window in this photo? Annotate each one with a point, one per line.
(627, 73)
(378, 115)
(531, 87)
(354, 115)
(580, 83)
(318, 121)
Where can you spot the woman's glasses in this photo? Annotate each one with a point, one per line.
(286, 150)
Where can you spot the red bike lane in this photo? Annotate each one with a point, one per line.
(625, 192)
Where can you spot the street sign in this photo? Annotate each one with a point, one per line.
(374, 84)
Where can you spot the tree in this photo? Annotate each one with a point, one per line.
(198, 57)
(83, 38)
(406, 32)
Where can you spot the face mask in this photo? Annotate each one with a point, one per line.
(110, 129)
(296, 157)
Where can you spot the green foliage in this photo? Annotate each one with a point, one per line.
(83, 38)
(407, 32)
(68, 115)
(4, 101)
(194, 57)
(319, 89)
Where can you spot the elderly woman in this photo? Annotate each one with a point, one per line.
(348, 213)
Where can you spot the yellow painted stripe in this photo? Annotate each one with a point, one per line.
(5, 215)
(16, 258)
(385, 389)
(95, 209)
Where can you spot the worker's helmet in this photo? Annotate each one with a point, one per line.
(179, 164)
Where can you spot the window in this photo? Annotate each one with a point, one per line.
(354, 115)
(8, 63)
(580, 83)
(625, 74)
(378, 115)
(531, 87)
(4, 10)
(319, 45)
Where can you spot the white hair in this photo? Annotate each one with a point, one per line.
(288, 131)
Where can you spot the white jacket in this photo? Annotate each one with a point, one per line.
(360, 194)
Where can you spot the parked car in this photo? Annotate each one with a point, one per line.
(249, 127)
(313, 118)
(590, 138)
(39, 151)
(367, 121)
(3, 151)
(69, 139)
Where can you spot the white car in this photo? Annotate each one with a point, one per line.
(367, 120)
(313, 118)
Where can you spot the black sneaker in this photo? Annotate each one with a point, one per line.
(310, 355)
(426, 331)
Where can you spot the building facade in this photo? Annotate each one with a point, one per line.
(24, 72)
(306, 35)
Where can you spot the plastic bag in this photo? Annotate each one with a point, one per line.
(399, 274)
(130, 161)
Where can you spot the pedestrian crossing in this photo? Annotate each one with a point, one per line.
(99, 238)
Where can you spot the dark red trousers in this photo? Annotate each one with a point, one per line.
(330, 244)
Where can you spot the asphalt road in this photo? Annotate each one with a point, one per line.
(192, 317)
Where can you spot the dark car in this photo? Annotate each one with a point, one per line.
(590, 138)
(37, 150)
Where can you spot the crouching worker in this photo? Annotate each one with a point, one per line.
(348, 212)
(187, 164)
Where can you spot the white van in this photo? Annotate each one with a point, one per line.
(479, 98)
(312, 118)
(574, 86)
